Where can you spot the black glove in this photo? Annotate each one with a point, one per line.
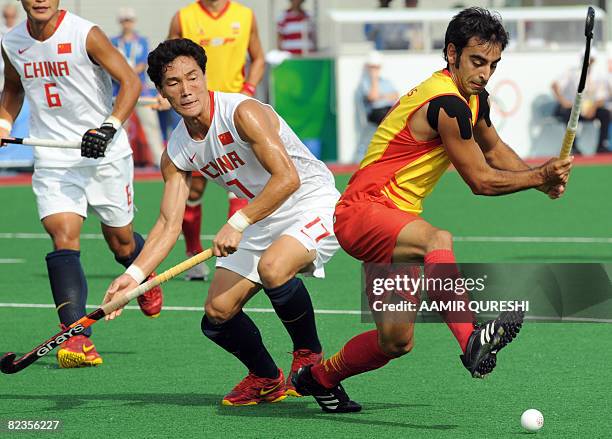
(95, 141)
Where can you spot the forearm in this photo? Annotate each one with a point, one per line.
(504, 158)
(374, 93)
(274, 194)
(256, 71)
(158, 245)
(10, 104)
(129, 91)
(500, 182)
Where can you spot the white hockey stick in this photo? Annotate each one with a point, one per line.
(46, 143)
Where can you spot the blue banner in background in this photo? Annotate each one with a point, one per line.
(18, 156)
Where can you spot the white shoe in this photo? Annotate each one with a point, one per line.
(198, 272)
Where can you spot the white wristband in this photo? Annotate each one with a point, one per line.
(136, 273)
(6, 124)
(116, 123)
(239, 221)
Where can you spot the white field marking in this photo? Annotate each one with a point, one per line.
(83, 236)
(12, 261)
(535, 239)
(511, 239)
(183, 308)
(317, 311)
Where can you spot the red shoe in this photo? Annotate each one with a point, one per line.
(301, 358)
(78, 351)
(253, 390)
(151, 302)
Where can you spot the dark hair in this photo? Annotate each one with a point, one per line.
(168, 51)
(474, 22)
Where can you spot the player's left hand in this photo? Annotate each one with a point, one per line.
(95, 141)
(553, 191)
(226, 242)
(118, 288)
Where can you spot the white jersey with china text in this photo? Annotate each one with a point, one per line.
(68, 93)
(229, 161)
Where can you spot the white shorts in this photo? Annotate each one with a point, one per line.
(311, 222)
(106, 189)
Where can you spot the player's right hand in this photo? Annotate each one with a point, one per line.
(118, 288)
(556, 171)
(226, 241)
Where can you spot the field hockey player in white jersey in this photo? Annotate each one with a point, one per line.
(63, 65)
(286, 229)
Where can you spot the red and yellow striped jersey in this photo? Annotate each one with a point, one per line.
(398, 167)
(225, 37)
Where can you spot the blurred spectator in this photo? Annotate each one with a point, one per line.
(135, 48)
(378, 93)
(392, 36)
(374, 98)
(10, 14)
(295, 28)
(594, 100)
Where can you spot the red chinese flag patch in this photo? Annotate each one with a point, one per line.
(64, 48)
(226, 138)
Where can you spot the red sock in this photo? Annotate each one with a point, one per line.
(235, 204)
(361, 354)
(192, 222)
(441, 264)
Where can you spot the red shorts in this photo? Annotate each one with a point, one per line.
(367, 229)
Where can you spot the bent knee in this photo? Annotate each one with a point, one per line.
(273, 272)
(218, 313)
(440, 239)
(397, 346)
(63, 242)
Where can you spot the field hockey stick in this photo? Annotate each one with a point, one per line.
(46, 143)
(9, 365)
(572, 123)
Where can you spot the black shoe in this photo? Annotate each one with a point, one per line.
(575, 151)
(488, 339)
(334, 400)
(602, 150)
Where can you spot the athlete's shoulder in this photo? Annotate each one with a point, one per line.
(17, 33)
(190, 8)
(179, 136)
(240, 7)
(439, 83)
(71, 19)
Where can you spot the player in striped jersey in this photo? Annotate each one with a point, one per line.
(443, 120)
(295, 30)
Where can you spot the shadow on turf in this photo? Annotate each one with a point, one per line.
(292, 408)
(307, 409)
(50, 362)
